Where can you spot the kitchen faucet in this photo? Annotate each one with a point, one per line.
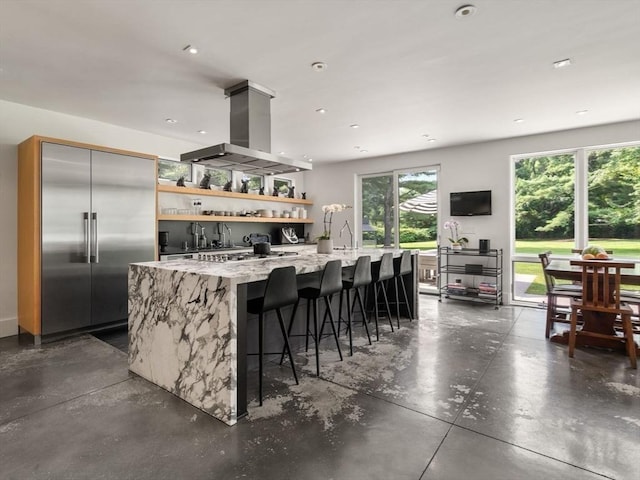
(229, 232)
(203, 238)
(196, 234)
(348, 227)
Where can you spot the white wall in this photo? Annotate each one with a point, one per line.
(469, 167)
(19, 122)
(480, 166)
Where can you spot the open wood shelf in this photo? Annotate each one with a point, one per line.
(237, 195)
(225, 218)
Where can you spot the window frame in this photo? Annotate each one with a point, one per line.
(187, 178)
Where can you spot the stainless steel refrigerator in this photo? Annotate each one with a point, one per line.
(98, 215)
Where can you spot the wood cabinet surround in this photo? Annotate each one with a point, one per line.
(30, 227)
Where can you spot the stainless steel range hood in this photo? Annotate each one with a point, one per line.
(250, 147)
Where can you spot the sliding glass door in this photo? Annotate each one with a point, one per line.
(418, 208)
(401, 209)
(377, 207)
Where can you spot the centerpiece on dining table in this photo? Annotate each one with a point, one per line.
(594, 252)
(325, 242)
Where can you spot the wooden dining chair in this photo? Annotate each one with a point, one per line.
(632, 298)
(601, 297)
(554, 293)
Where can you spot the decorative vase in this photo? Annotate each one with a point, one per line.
(325, 245)
(456, 246)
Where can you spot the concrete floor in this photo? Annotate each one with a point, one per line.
(466, 392)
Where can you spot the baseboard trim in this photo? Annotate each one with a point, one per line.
(8, 327)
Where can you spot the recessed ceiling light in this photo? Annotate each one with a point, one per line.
(562, 63)
(202, 132)
(425, 135)
(582, 112)
(357, 147)
(466, 11)
(171, 120)
(431, 140)
(354, 125)
(319, 66)
(281, 153)
(297, 169)
(310, 159)
(364, 151)
(519, 120)
(192, 49)
(321, 110)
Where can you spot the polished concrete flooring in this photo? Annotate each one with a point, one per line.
(465, 392)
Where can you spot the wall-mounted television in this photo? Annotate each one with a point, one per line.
(464, 204)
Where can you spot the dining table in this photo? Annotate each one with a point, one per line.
(596, 322)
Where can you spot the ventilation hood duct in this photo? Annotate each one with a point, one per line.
(250, 147)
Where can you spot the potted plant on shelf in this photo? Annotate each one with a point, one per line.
(457, 242)
(325, 242)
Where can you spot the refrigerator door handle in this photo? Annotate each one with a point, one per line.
(87, 247)
(94, 234)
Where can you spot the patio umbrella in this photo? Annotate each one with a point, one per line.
(426, 203)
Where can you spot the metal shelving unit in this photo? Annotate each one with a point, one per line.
(462, 275)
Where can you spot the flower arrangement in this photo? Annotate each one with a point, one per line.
(328, 211)
(453, 226)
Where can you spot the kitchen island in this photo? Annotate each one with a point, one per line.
(187, 323)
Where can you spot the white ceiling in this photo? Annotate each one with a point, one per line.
(398, 68)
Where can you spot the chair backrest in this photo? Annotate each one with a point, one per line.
(384, 269)
(362, 272)
(601, 284)
(281, 288)
(402, 264)
(331, 281)
(548, 279)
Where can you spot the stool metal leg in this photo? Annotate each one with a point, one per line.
(315, 335)
(293, 316)
(386, 303)
(406, 299)
(306, 339)
(375, 308)
(395, 285)
(287, 347)
(333, 326)
(260, 353)
(364, 315)
(349, 322)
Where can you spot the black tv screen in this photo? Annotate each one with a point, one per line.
(464, 204)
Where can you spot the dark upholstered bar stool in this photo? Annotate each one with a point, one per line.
(402, 267)
(281, 290)
(381, 273)
(330, 284)
(359, 277)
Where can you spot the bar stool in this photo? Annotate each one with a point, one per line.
(280, 290)
(381, 273)
(360, 276)
(402, 267)
(330, 284)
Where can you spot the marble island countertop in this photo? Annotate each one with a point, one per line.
(256, 269)
(187, 323)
